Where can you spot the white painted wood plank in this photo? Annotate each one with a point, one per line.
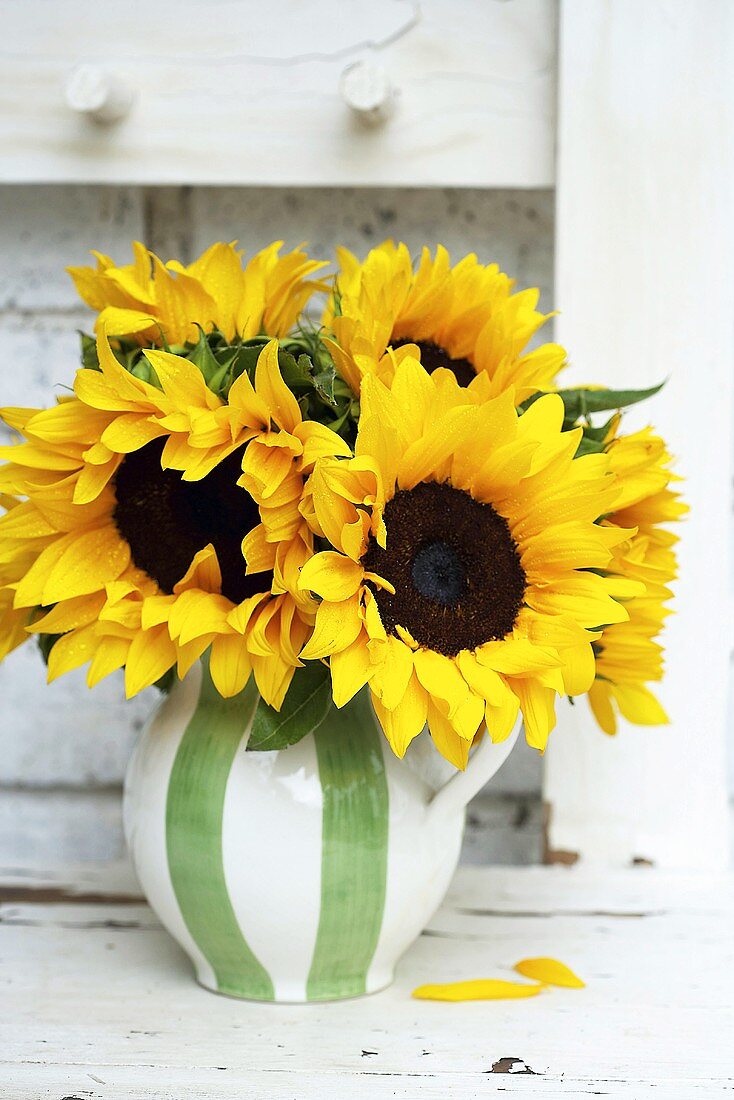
(235, 91)
(645, 284)
(70, 735)
(66, 838)
(58, 827)
(106, 880)
(102, 1082)
(42, 229)
(99, 1002)
(584, 890)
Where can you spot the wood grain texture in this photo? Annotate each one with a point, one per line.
(644, 285)
(235, 91)
(654, 1021)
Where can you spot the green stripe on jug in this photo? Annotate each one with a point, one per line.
(194, 810)
(353, 850)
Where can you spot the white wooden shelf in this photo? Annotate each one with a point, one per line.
(98, 1003)
(283, 93)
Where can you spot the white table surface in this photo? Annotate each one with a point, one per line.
(97, 1002)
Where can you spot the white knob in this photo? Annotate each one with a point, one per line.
(367, 90)
(94, 91)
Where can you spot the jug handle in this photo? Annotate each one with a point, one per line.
(484, 761)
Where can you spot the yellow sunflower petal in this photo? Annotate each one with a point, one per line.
(110, 654)
(501, 717)
(88, 561)
(70, 614)
(480, 989)
(332, 576)
(406, 720)
(130, 431)
(93, 480)
(273, 677)
(431, 451)
(337, 626)
(182, 381)
(454, 748)
(579, 668)
(229, 664)
(257, 551)
(600, 701)
(638, 704)
(394, 673)
(117, 321)
(441, 678)
(538, 710)
(319, 442)
(195, 613)
(544, 418)
(71, 651)
(351, 669)
(269, 384)
(203, 573)
(549, 972)
(151, 654)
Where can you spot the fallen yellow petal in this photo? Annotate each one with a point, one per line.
(482, 989)
(550, 972)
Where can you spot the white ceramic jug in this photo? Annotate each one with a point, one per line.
(294, 875)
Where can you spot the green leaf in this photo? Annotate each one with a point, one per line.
(305, 706)
(166, 681)
(296, 372)
(244, 359)
(323, 381)
(202, 356)
(144, 371)
(598, 434)
(340, 424)
(90, 360)
(336, 300)
(583, 402)
(593, 441)
(589, 446)
(46, 642)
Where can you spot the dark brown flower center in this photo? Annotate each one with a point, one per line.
(433, 357)
(167, 520)
(454, 565)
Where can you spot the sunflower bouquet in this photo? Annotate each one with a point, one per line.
(393, 497)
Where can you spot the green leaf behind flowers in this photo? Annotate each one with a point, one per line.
(583, 402)
(202, 356)
(46, 642)
(593, 441)
(305, 363)
(90, 359)
(305, 706)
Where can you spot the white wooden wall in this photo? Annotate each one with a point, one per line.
(643, 280)
(645, 285)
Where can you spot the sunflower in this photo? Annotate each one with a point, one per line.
(461, 584)
(130, 508)
(628, 654)
(149, 301)
(463, 318)
(14, 563)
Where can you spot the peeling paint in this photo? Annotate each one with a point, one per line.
(512, 1065)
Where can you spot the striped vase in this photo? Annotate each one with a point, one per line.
(294, 875)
